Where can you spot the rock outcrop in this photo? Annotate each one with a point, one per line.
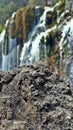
(34, 98)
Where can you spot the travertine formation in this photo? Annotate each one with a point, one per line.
(34, 98)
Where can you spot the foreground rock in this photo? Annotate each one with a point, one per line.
(34, 98)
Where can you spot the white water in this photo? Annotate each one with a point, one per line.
(13, 15)
(3, 33)
(33, 55)
(2, 37)
(10, 58)
(30, 52)
(67, 34)
(30, 55)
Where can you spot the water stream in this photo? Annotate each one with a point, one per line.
(67, 35)
(30, 51)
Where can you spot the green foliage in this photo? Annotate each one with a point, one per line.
(36, 2)
(19, 35)
(7, 7)
(1, 28)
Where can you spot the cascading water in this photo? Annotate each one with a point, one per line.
(30, 52)
(10, 47)
(67, 35)
(2, 35)
(64, 34)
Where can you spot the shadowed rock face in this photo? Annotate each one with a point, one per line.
(34, 98)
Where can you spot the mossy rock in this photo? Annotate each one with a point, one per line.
(60, 7)
(19, 35)
(1, 28)
(4, 46)
(29, 19)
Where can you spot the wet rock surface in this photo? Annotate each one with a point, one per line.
(34, 98)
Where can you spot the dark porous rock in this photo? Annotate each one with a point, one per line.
(34, 98)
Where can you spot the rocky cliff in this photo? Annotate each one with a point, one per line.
(33, 97)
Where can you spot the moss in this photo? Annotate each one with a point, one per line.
(1, 28)
(13, 30)
(29, 19)
(20, 24)
(24, 20)
(19, 35)
(19, 18)
(60, 7)
(4, 46)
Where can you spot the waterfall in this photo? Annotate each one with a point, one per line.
(12, 55)
(67, 35)
(30, 51)
(2, 35)
(10, 47)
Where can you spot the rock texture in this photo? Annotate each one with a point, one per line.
(34, 98)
